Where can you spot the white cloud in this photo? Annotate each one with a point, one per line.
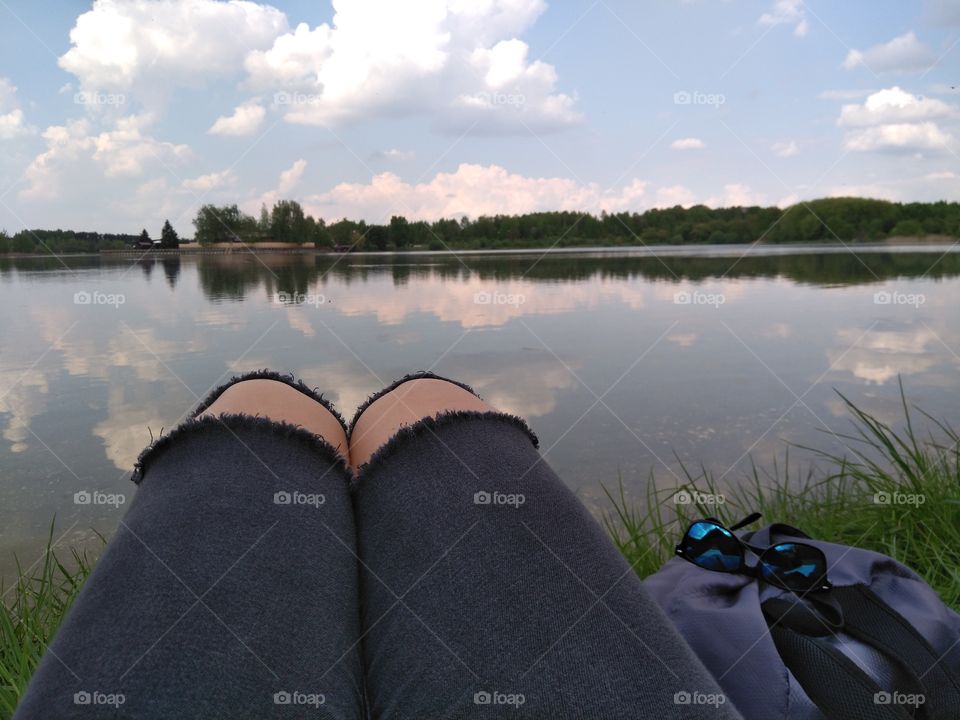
(121, 151)
(930, 187)
(786, 149)
(788, 12)
(458, 61)
(12, 121)
(150, 47)
(288, 182)
(893, 105)
(687, 144)
(737, 195)
(905, 53)
(12, 125)
(211, 181)
(475, 190)
(674, 195)
(902, 136)
(246, 120)
(290, 178)
(125, 150)
(893, 119)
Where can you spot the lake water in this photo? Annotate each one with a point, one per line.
(626, 363)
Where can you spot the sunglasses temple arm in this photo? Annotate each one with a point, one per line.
(751, 518)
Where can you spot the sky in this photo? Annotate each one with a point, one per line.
(118, 114)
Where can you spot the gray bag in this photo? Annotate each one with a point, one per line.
(879, 645)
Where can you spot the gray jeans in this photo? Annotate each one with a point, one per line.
(455, 577)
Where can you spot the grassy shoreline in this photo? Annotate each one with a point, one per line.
(844, 503)
(899, 494)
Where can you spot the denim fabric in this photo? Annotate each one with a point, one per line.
(460, 579)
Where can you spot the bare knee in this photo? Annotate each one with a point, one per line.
(405, 405)
(278, 401)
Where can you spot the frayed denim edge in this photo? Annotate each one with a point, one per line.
(233, 422)
(265, 374)
(431, 424)
(419, 375)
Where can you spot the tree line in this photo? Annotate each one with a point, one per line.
(826, 220)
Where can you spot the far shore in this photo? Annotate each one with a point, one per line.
(192, 249)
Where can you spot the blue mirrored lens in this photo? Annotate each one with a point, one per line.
(713, 547)
(793, 565)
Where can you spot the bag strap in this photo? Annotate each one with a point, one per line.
(871, 620)
(862, 614)
(840, 689)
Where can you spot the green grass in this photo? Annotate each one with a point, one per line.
(31, 612)
(836, 504)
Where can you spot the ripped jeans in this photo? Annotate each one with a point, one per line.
(455, 576)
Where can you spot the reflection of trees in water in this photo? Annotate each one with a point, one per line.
(171, 268)
(234, 276)
(231, 277)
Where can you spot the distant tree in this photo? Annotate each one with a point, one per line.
(223, 224)
(358, 239)
(829, 219)
(23, 242)
(344, 232)
(169, 239)
(378, 236)
(288, 223)
(321, 235)
(420, 233)
(445, 232)
(309, 230)
(264, 225)
(144, 237)
(400, 234)
(907, 228)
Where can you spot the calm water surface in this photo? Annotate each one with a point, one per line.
(626, 363)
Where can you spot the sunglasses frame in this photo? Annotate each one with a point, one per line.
(820, 585)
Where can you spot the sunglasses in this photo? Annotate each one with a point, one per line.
(789, 565)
